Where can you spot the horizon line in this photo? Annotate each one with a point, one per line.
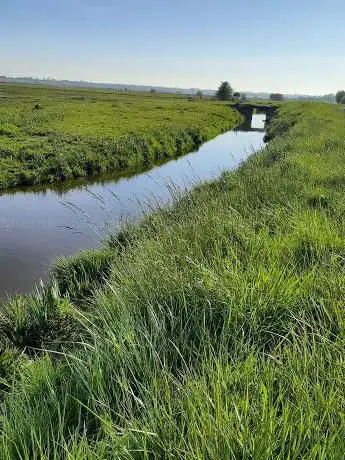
(154, 86)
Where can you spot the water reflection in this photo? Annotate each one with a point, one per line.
(40, 223)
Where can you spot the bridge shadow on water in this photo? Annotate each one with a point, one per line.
(247, 126)
(247, 110)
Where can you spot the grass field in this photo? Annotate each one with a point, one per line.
(49, 134)
(213, 330)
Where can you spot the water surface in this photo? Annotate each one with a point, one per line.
(38, 224)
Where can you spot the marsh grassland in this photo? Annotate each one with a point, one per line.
(215, 329)
(50, 135)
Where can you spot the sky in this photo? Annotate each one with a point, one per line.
(289, 46)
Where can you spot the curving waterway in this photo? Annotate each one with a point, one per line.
(40, 223)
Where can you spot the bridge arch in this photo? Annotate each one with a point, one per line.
(247, 109)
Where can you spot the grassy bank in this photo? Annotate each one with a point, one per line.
(214, 330)
(49, 135)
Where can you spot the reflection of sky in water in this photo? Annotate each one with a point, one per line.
(36, 227)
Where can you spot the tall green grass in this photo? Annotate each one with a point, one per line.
(49, 135)
(213, 330)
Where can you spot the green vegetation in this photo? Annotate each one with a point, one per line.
(224, 92)
(340, 97)
(213, 330)
(49, 134)
(276, 97)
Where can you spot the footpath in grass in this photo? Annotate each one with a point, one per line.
(49, 135)
(214, 330)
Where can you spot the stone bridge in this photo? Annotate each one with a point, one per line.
(247, 109)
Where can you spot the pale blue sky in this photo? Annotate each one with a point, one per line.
(267, 45)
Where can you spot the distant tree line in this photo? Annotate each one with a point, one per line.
(276, 97)
(226, 93)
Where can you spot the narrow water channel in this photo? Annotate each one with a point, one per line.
(38, 224)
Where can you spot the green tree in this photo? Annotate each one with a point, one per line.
(199, 94)
(342, 100)
(224, 92)
(276, 97)
(237, 95)
(152, 90)
(339, 96)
